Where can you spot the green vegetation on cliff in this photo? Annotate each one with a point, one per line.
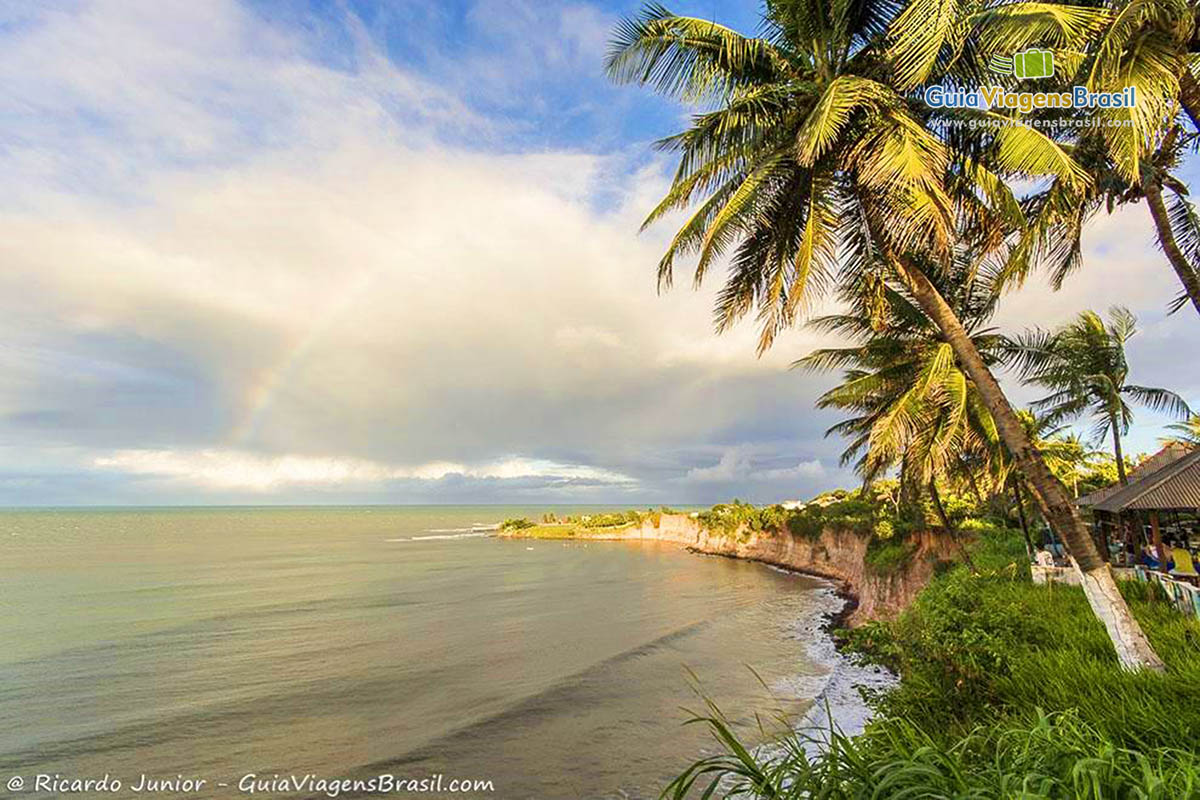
(839, 509)
(595, 525)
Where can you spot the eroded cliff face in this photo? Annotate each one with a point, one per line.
(836, 553)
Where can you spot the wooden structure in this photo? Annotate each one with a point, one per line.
(1159, 504)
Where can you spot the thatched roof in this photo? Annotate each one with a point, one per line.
(1168, 480)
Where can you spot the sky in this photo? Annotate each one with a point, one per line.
(352, 252)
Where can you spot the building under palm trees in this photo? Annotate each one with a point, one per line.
(1157, 510)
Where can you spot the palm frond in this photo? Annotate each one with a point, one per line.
(689, 58)
(1161, 400)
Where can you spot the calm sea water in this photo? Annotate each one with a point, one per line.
(345, 642)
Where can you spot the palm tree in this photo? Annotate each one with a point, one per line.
(817, 169)
(1152, 45)
(914, 407)
(1084, 367)
(1187, 432)
(1175, 220)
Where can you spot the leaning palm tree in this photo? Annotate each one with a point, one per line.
(1149, 45)
(1084, 367)
(913, 407)
(1176, 222)
(1058, 214)
(812, 167)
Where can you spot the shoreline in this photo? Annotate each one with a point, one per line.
(837, 703)
(840, 588)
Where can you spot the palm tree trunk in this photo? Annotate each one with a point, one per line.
(1133, 648)
(1189, 97)
(1024, 522)
(1166, 239)
(974, 484)
(1121, 476)
(951, 531)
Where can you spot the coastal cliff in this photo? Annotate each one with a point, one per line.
(836, 553)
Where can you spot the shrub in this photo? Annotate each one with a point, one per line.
(887, 555)
(728, 518)
(516, 524)
(884, 529)
(1047, 756)
(610, 520)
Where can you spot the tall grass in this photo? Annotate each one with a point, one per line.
(1052, 756)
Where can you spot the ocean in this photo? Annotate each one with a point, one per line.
(348, 643)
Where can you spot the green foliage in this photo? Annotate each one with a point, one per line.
(888, 554)
(1008, 690)
(609, 520)
(1098, 474)
(1045, 756)
(884, 529)
(980, 648)
(809, 167)
(838, 509)
(729, 518)
(516, 524)
(910, 406)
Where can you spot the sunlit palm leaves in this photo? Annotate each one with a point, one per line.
(1146, 45)
(1083, 366)
(689, 58)
(814, 165)
(1186, 433)
(933, 39)
(809, 164)
(913, 406)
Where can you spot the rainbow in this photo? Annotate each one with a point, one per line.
(267, 390)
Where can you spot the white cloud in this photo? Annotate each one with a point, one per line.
(740, 464)
(220, 247)
(575, 337)
(231, 469)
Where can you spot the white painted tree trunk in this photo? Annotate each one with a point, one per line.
(1132, 646)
